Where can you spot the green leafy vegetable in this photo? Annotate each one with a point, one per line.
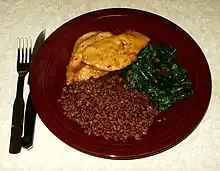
(156, 73)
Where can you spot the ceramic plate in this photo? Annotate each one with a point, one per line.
(48, 78)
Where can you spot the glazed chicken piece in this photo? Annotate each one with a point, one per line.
(96, 53)
(86, 72)
(75, 63)
(115, 52)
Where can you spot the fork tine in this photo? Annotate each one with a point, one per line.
(26, 49)
(19, 48)
(22, 50)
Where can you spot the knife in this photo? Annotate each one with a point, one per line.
(30, 112)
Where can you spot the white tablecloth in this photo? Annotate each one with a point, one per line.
(199, 152)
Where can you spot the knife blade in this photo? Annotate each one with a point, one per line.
(30, 112)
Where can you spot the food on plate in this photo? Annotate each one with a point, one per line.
(137, 40)
(75, 63)
(88, 39)
(87, 72)
(108, 108)
(104, 52)
(84, 37)
(115, 52)
(156, 73)
(118, 84)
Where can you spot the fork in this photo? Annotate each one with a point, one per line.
(23, 63)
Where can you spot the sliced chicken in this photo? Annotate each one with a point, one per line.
(75, 63)
(115, 52)
(87, 72)
(84, 37)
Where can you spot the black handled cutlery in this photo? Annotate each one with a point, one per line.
(24, 59)
(30, 112)
(23, 63)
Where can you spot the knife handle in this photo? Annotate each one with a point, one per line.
(29, 124)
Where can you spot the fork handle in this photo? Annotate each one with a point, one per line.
(17, 118)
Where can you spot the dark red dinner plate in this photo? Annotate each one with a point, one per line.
(170, 128)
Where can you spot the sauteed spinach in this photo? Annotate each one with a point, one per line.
(156, 73)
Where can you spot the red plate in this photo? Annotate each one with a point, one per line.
(48, 78)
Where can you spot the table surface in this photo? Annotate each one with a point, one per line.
(199, 152)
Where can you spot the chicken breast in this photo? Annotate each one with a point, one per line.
(115, 52)
(75, 63)
(136, 40)
(87, 72)
(83, 37)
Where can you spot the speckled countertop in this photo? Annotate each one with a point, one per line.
(199, 152)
